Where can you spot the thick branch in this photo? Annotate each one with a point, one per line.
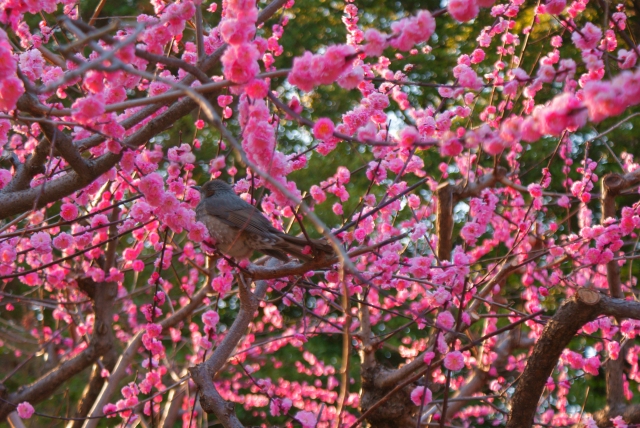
(444, 221)
(611, 186)
(204, 373)
(93, 388)
(584, 307)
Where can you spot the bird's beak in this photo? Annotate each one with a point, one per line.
(196, 187)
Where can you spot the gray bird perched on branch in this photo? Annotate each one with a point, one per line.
(239, 228)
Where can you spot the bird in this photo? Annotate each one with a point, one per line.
(240, 228)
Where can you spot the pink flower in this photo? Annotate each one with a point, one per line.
(477, 56)
(408, 136)
(25, 410)
(240, 62)
(450, 147)
(323, 129)
(337, 209)
(210, 318)
(68, 212)
(317, 194)
(535, 190)
(454, 361)
(603, 99)
(613, 348)
(428, 357)
(588, 37)
(411, 31)
(5, 177)
(493, 145)
(619, 422)
(555, 7)
(376, 42)
(307, 419)
(463, 10)
(351, 78)
(467, 77)
(11, 89)
(8, 62)
(94, 81)
(421, 394)
(41, 242)
(530, 130)
(574, 359)
(445, 320)
(591, 365)
(152, 187)
(237, 31)
(87, 108)
(110, 410)
(471, 231)
(565, 112)
(257, 88)
(278, 406)
(63, 241)
(310, 70)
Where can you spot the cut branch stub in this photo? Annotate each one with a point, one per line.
(588, 296)
(613, 184)
(397, 411)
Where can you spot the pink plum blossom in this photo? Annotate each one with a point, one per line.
(323, 129)
(307, 419)
(421, 394)
(454, 361)
(25, 410)
(463, 10)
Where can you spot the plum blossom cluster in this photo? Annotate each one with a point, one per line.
(481, 211)
(11, 87)
(238, 28)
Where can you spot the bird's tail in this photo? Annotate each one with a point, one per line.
(295, 245)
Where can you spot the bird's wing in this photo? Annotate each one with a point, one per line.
(247, 218)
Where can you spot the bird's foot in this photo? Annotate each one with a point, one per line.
(209, 247)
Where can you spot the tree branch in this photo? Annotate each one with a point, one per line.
(204, 373)
(582, 308)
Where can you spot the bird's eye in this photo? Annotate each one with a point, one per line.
(210, 192)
